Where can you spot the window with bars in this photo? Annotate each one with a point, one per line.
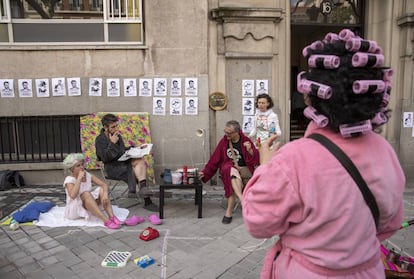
(26, 139)
(68, 21)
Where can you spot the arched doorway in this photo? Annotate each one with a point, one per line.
(310, 21)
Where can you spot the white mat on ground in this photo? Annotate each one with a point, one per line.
(55, 218)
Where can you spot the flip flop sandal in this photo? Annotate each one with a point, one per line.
(153, 219)
(134, 220)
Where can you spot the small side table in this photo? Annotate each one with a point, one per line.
(198, 186)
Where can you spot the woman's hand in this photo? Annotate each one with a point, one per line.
(81, 176)
(268, 148)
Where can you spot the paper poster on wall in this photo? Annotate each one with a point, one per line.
(191, 85)
(248, 88)
(7, 89)
(95, 87)
(408, 119)
(262, 86)
(112, 87)
(248, 106)
(248, 122)
(145, 87)
(191, 105)
(25, 88)
(42, 87)
(160, 87)
(130, 87)
(175, 87)
(159, 106)
(176, 106)
(59, 88)
(74, 86)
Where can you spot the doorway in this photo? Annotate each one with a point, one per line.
(311, 21)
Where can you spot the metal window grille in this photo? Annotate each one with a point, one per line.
(26, 139)
(122, 10)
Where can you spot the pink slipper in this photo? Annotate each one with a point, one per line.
(134, 220)
(111, 225)
(153, 219)
(116, 220)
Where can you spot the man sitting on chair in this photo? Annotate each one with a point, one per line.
(109, 147)
(233, 152)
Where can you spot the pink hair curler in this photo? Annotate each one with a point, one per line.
(316, 45)
(379, 118)
(355, 44)
(331, 38)
(349, 130)
(320, 119)
(388, 73)
(385, 99)
(362, 59)
(346, 34)
(372, 86)
(315, 88)
(324, 61)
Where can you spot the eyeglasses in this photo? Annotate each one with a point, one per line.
(229, 133)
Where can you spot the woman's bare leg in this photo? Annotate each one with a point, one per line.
(90, 204)
(106, 203)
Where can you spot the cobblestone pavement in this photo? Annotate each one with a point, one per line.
(188, 247)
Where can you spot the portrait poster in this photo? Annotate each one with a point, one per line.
(112, 87)
(158, 105)
(145, 87)
(130, 87)
(247, 88)
(248, 123)
(248, 106)
(176, 106)
(59, 87)
(25, 87)
(74, 86)
(191, 105)
(262, 86)
(408, 119)
(7, 88)
(42, 87)
(95, 87)
(175, 87)
(160, 86)
(191, 85)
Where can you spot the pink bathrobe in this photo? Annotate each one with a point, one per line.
(304, 195)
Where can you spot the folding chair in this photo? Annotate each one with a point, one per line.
(113, 184)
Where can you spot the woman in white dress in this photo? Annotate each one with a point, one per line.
(266, 122)
(81, 200)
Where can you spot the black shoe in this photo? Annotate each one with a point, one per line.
(152, 207)
(227, 220)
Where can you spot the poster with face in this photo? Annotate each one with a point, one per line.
(191, 85)
(6, 88)
(248, 124)
(262, 86)
(408, 119)
(158, 106)
(112, 87)
(42, 87)
(145, 87)
(175, 87)
(25, 88)
(58, 87)
(130, 87)
(95, 87)
(191, 105)
(176, 106)
(74, 86)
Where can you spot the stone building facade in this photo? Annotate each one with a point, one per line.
(221, 43)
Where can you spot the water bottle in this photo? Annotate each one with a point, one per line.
(14, 225)
(272, 129)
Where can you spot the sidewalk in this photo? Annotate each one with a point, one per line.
(188, 247)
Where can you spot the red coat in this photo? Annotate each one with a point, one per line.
(221, 159)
